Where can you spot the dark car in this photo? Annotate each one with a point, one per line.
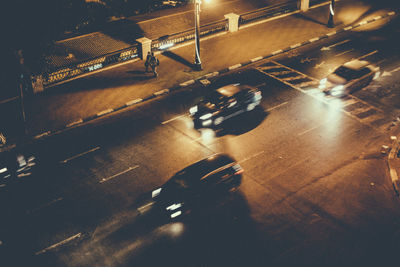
(197, 184)
(349, 77)
(14, 166)
(224, 103)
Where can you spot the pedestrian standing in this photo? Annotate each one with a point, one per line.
(147, 62)
(154, 63)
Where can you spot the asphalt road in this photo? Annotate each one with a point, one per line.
(315, 190)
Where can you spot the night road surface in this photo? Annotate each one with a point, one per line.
(315, 189)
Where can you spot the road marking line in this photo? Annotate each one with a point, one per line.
(42, 134)
(277, 106)
(132, 102)
(104, 112)
(118, 174)
(80, 154)
(309, 130)
(178, 117)
(345, 52)
(394, 70)
(69, 239)
(74, 123)
(367, 55)
(339, 43)
(44, 205)
(349, 102)
(253, 156)
(256, 59)
(235, 66)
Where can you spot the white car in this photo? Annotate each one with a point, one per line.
(349, 77)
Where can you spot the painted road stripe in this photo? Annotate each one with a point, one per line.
(331, 33)
(277, 52)
(235, 66)
(69, 239)
(162, 92)
(348, 28)
(45, 205)
(345, 52)
(178, 117)
(309, 130)
(349, 102)
(278, 106)
(74, 123)
(256, 59)
(118, 174)
(80, 154)
(189, 82)
(295, 45)
(104, 112)
(251, 157)
(314, 39)
(132, 102)
(369, 54)
(42, 135)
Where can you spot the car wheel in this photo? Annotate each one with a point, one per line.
(218, 120)
(250, 107)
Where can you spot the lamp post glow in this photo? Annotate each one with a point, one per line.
(197, 61)
(331, 14)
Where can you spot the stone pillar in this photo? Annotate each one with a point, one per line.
(233, 21)
(145, 47)
(304, 5)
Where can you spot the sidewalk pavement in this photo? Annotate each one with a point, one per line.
(122, 86)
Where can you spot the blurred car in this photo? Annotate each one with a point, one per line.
(349, 77)
(193, 186)
(13, 166)
(224, 103)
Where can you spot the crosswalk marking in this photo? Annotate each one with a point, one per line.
(352, 106)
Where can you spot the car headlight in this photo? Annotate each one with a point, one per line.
(205, 116)
(174, 206)
(193, 110)
(156, 192)
(337, 90)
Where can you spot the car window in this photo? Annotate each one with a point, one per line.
(216, 98)
(347, 73)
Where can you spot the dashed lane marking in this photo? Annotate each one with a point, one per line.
(344, 52)
(176, 118)
(277, 106)
(251, 157)
(65, 241)
(80, 154)
(118, 174)
(44, 205)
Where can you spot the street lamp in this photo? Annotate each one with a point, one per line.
(197, 61)
(331, 14)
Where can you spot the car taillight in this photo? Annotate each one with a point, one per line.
(238, 169)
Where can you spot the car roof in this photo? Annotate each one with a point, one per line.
(229, 90)
(356, 64)
(203, 167)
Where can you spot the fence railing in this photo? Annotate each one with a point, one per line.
(67, 72)
(70, 71)
(168, 41)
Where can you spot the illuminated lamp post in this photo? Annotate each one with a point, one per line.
(197, 61)
(331, 14)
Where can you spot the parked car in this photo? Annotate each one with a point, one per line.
(349, 77)
(224, 103)
(197, 184)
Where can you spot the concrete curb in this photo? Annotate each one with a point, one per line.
(390, 161)
(81, 121)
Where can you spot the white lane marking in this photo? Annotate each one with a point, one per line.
(259, 85)
(118, 174)
(44, 205)
(74, 123)
(367, 55)
(135, 101)
(104, 112)
(277, 106)
(256, 59)
(349, 102)
(178, 117)
(345, 52)
(69, 239)
(394, 70)
(339, 43)
(309, 130)
(80, 154)
(251, 157)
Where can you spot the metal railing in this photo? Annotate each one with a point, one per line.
(165, 42)
(73, 70)
(268, 12)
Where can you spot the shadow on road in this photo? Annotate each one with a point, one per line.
(178, 58)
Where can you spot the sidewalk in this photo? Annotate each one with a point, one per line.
(113, 87)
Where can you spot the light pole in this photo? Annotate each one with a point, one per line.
(197, 61)
(331, 24)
